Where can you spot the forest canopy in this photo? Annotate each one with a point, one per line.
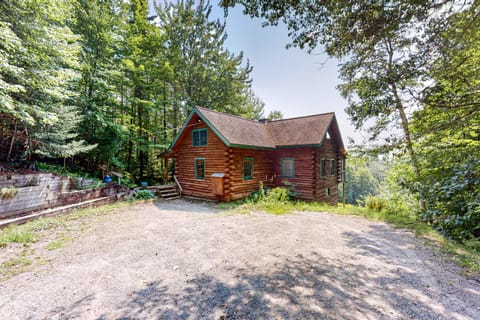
(106, 83)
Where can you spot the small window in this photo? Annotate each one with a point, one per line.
(332, 167)
(287, 168)
(327, 135)
(200, 137)
(327, 192)
(200, 168)
(247, 168)
(323, 164)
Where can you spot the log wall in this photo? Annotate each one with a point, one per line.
(304, 179)
(263, 161)
(219, 158)
(214, 154)
(327, 151)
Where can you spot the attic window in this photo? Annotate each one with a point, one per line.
(200, 137)
(327, 135)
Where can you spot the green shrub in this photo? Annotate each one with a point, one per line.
(375, 203)
(8, 192)
(277, 194)
(144, 195)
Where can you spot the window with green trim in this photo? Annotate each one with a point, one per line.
(200, 137)
(247, 168)
(332, 167)
(199, 168)
(287, 168)
(323, 167)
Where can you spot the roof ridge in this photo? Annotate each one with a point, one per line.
(228, 114)
(270, 121)
(312, 115)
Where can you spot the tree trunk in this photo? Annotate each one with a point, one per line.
(404, 121)
(12, 141)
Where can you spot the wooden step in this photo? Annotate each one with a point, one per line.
(169, 194)
(161, 187)
(172, 198)
(167, 190)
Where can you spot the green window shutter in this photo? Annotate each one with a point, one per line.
(247, 168)
(287, 168)
(200, 137)
(200, 168)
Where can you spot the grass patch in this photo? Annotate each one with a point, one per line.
(60, 227)
(15, 265)
(33, 231)
(16, 235)
(465, 254)
(55, 245)
(62, 240)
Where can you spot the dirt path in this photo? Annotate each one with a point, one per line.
(178, 261)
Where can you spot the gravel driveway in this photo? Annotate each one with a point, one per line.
(177, 260)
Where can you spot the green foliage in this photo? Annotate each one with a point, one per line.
(8, 192)
(448, 130)
(41, 66)
(16, 235)
(274, 200)
(364, 176)
(453, 195)
(375, 203)
(144, 195)
(98, 81)
(275, 115)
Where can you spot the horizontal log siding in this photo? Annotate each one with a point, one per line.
(304, 164)
(214, 154)
(327, 151)
(262, 171)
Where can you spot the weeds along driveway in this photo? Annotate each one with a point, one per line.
(177, 260)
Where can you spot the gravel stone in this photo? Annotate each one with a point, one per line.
(181, 260)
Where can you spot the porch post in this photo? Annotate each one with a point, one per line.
(166, 168)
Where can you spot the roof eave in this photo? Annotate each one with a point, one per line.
(314, 145)
(243, 146)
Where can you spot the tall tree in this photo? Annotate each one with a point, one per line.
(206, 73)
(447, 129)
(41, 66)
(99, 25)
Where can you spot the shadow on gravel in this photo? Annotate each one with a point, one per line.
(423, 289)
(301, 288)
(190, 206)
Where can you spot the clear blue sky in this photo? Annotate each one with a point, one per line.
(292, 81)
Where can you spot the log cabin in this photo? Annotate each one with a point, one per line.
(225, 157)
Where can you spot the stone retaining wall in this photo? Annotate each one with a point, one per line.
(44, 190)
